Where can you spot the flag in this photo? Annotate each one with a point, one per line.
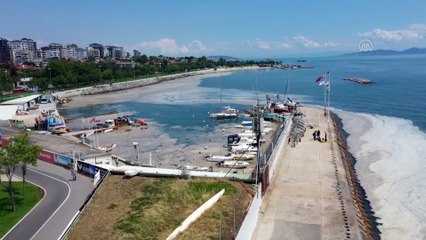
(327, 85)
(328, 72)
(323, 82)
(319, 79)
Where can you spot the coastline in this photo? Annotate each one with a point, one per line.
(81, 97)
(365, 214)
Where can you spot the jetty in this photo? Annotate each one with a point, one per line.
(359, 80)
(314, 193)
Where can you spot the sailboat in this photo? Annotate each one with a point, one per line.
(226, 112)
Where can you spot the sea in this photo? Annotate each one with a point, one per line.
(385, 121)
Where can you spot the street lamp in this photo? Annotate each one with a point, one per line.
(136, 146)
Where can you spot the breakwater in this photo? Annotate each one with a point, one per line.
(364, 213)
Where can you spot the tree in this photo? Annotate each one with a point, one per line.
(18, 153)
(5, 85)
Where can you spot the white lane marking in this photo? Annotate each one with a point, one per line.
(57, 209)
(69, 224)
(39, 202)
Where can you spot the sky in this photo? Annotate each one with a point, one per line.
(239, 28)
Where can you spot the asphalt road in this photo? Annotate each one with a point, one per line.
(63, 198)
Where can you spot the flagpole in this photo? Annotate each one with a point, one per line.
(328, 97)
(325, 97)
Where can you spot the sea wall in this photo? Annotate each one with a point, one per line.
(365, 215)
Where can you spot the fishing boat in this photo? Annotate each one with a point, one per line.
(233, 164)
(226, 113)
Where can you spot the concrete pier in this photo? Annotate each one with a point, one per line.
(309, 197)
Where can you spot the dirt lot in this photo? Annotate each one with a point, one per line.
(151, 208)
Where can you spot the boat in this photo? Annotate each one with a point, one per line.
(194, 168)
(244, 148)
(108, 147)
(233, 164)
(302, 60)
(218, 158)
(244, 156)
(226, 113)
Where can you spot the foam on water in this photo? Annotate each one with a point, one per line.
(391, 165)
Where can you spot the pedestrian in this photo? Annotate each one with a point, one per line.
(315, 135)
(319, 135)
(325, 136)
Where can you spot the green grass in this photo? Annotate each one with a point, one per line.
(15, 96)
(23, 204)
(164, 205)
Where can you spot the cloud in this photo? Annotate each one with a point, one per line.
(306, 42)
(418, 26)
(198, 46)
(394, 35)
(330, 44)
(291, 43)
(263, 44)
(169, 46)
(285, 45)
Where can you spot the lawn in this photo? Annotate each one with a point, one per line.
(151, 208)
(24, 203)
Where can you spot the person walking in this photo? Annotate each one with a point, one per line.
(325, 136)
(319, 135)
(315, 135)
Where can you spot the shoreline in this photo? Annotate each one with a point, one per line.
(138, 83)
(365, 213)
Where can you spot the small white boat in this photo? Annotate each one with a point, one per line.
(218, 158)
(108, 147)
(226, 113)
(194, 168)
(233, 164)
(244, 149)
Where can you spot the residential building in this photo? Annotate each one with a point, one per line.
(93, 52)
(136, 53)
(23, 50)
(98, 47)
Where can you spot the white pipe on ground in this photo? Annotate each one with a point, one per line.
(195, 215)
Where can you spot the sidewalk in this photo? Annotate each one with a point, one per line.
(308, 197)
